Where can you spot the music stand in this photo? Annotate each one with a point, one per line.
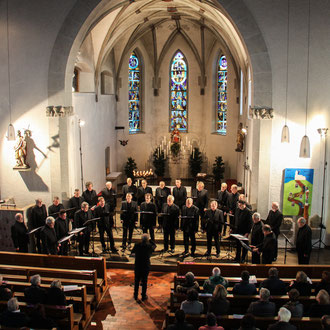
(247, 247)
(92, 221)
(34, 230)
(286, 246)
(75, 232)
(240, 238)
(228, 253)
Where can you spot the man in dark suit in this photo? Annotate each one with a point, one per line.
(232, 199)
(244, 287)
(54, 209)
(201, 200)
(189, 226)
(161, 195)
(80, 217)
(275, 219)
(61, 229)
(34, 294)
(75, 201)
(267, 247)
(213, 225)
(284, 316)
(275, 286)
(262, 307)
(109, 195)
(105, 224)
(142, 251)
(129, 188)
(48, 237)
(142, 191)
(148, 219)
(223, 195)
(179, 194)
(89, 195)
(257, 236)
(19, 234)
(304, 242)
(129, 219)
(13, 317)
(38, 217)
(243, 225)
(170, 222)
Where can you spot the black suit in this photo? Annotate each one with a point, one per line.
(38, 217)
(109, 196)
(19, 236)
(148, 221)
(275, 220)
(54, 210)
(142, 253)
(201, 200)
(61, 229)
(304, 244)
(161, 197)
(49, 240)
(141, 193)
(257, 237)
(189, 226)
(13, 320)
(262, 308)
(223, 200)
(180, 196)
(129, 189)
(170, 224)
(213, 225)
(268, 248)
(34, 294)
(75, 204)
(275, 286)
(90, 197)
(232, 202)
(105, 224)
(129, 218)
(243, 225)
(80, 217)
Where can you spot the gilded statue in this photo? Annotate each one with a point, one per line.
(20, 151)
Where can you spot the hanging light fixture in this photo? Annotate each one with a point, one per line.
(285, 138)
(305, 145)
(11, 129)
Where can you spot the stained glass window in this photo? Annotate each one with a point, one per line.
(134, 94)
(178, 93)
(221, 120)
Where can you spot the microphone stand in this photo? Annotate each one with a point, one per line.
(286, 245)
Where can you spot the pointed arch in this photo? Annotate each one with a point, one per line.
(179, 92)
(134, 92)
(221, 92)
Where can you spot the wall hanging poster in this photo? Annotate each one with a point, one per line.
(298, 191)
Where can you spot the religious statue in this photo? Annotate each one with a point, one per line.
(175, 136)
(240, 138)
(20, 151)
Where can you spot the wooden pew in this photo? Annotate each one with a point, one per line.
(231, 322)
(285, 271)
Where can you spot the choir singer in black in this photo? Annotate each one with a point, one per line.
(38, 215)
(89, 195)
(213, 225)
(257, 236)
(304, 242)
(201, 200)
(129, 188)
(148, 219)
(54, 209)
(19, 234)
(189, 226)
(109, 195)
(142, 191)
(49, 238)
(61, 230)
(129, 219)
(275, 219)
(170, 222)
(75, 201)
(179, 194)
(267, 247)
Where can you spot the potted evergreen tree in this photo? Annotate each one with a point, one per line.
(195, 162)
(159, 163)
(218, 171)
(130, 167)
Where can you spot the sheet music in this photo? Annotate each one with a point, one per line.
(67, 288)
(239, 237)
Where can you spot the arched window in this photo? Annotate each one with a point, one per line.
(179, 93)
(221, 113)
(134, 94)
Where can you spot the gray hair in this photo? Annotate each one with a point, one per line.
(284, 314)
(145, 238)
(84, 204)
(170, 197)
(12, 305)
(35, 279)
(302, 220)
(256, 215)
(264, 294)
(49, 220)
(56, 284)
(216, 271)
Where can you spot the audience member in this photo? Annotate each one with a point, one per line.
(188, 284)
(211, 323)
(275, 286)
(180, 323)
(38, 319)
(13, 317)
(192, 305)
(5, 292)
(244, 287)
(218, 304)
(302, 284)
(35, 294)
(325, 282)
(284, 316)
(322, 307)
(262, 307)
(248, 323)
(55, 295)
(325, 322)
(293, 305)
(214, 280)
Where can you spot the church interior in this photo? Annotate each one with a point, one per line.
(207, 92)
